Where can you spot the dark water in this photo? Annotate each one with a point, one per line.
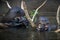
(27, 34)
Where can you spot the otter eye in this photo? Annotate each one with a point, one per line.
(18, 12)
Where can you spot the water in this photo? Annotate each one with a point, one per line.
(27, 34)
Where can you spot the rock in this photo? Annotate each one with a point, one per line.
(57, 31)
(2, 25)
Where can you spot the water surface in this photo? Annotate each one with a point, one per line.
(27, 34)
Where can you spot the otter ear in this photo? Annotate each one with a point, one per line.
(8, 5)
(22, 5)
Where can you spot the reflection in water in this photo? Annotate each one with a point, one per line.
(25, 34)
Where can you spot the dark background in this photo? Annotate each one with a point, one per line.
(49, 9)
